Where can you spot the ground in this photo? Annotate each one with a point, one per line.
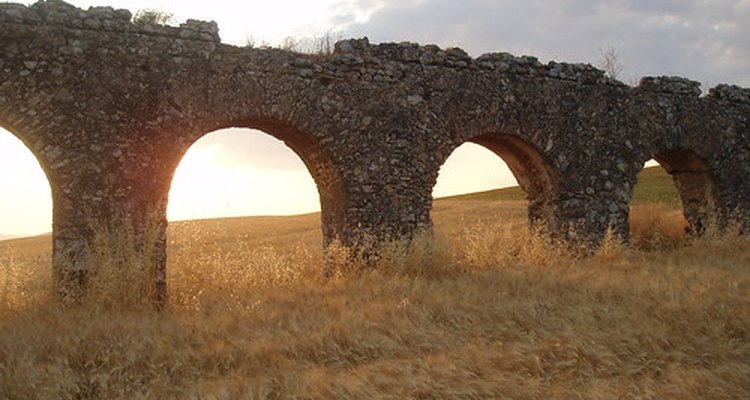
(490, 311)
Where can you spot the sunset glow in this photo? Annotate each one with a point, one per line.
(233, 172)
(243, 172)
(237, 172)
(223, 174)
(25, 199)
(472, 168)
(263, 22)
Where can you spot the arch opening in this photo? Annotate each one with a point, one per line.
(25, 223)
(459, 173)
(246, 207)
(695, 184)
(674, 197)
(240, 172)
(524, 200)
(534, 174)
(26, 208)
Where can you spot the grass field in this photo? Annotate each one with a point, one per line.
(495, 312)
(655, 186)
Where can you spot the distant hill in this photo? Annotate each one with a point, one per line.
(513, 193)
(654, 186)
(22, 237)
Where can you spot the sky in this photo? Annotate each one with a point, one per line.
(251, 173)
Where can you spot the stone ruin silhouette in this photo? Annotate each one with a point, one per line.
(109, 107)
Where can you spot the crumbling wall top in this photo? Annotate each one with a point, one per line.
(408, 52)
(731, 93)
(670, 84)
(60, 13)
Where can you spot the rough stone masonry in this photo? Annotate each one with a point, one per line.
(109, 107)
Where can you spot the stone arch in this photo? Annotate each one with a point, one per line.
(154, 180)
(693, 177)
(536, 176)
(371, 122)
(308, 148)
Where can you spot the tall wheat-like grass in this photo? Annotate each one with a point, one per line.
(420, 254)
(23, 282)
(492, 312)
(123, 267)
(485, 245)
(654, 226)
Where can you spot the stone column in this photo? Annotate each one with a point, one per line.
(109, 227)
(585, 214)
(119, 252)
(385, 196)
(732, 194)
(377, 212)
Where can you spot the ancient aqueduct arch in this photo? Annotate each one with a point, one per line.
(109, 108)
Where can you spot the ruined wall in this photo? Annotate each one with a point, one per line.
(109, 108)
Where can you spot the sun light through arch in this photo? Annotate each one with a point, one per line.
(466, 171)
(26, 199)
(240, 172)
(466, 199)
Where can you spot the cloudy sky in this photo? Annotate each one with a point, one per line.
(705, 40)
(252, 173)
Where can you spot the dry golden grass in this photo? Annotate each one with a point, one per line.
(656, 226)
(491, 311)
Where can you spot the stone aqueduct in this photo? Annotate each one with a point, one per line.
(109, 108)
